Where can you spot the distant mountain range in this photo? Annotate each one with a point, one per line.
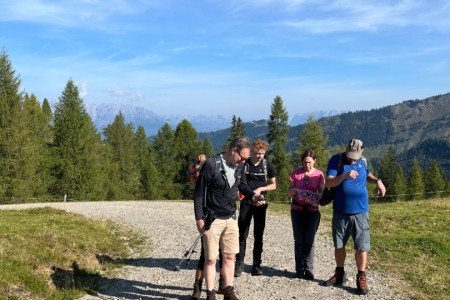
(104, 114)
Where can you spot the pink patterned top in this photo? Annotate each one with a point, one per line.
(307, 196)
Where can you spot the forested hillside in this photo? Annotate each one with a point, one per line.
(415, 128)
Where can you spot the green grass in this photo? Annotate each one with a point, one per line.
(36, 241)
(410, 241)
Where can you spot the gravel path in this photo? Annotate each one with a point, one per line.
(171, 230)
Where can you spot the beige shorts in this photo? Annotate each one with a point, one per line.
(226, 233)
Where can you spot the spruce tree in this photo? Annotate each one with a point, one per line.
(14, 172)
(237, 130)
(187, 148)
(277, 138)
(149, 178)
(311, 137)
(38, 153)
(76, 147)
(387, 171)
(399, 187)
(121, 138)
(434, 180)
(163, 146)
(416, 185)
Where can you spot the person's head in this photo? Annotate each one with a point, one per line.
(354, 150)
(239, 150)
(259, 149)
(309, 159)
(201, 157)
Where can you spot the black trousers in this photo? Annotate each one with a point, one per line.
(304, 225)
(246, 213)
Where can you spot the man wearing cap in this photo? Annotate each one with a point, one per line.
(348, 173)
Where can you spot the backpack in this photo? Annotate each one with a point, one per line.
(247, 169)
(328, 193)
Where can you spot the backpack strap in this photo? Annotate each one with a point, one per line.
(219, 163)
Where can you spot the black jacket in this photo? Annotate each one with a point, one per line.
(213, 195)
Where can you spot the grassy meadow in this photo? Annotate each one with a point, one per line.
(410, 243)
(39, 246)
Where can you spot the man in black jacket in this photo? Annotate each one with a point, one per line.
(216, 192)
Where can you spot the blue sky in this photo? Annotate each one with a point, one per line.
(231, 57)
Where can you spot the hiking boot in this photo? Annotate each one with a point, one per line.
(361, 284)
(197, 290)
(229, 294)
(211, 295)
(308, 275)
(238, 268)
(221, 289)
(336, 279)
(256, 270)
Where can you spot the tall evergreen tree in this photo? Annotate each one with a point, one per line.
(163, 145)
(187, 147)
(207, 147)
(237, 130)
(434, 180)
(387, 170)
(277, 138)
(13, 134)
(311, 137)
(122, 140)
(399, 188)
(38, 161)
(416, 185)
(76, 149)
(149, 178)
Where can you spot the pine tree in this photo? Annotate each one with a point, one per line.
(77, 150)
(187, 147)
(121, 138)
(277, 138)
(311, 137)
(13, 134)
(387, 170)
(237, 130)
(149, 179)
(38, 161)
(399, 185)
(163, 146)
(434, 180)
(207, 147)
(416, 185)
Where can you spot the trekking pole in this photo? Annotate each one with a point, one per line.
(188, 254)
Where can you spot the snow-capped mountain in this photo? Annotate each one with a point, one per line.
(104, 114)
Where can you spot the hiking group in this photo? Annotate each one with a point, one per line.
(242, 173)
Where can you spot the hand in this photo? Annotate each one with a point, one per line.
(381, 188)
(200, 226)
(352, 174)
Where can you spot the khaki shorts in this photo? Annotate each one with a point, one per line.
(226, 233)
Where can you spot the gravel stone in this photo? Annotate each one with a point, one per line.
(170, 228)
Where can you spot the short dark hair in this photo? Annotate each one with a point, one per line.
(240, 143)
(309, 153)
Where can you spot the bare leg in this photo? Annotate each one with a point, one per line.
(361, 260)
(210, 274)
(228, 268)
(340, 255)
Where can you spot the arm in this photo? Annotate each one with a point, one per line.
(380, 185)
(270, 187)
(201, 185)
